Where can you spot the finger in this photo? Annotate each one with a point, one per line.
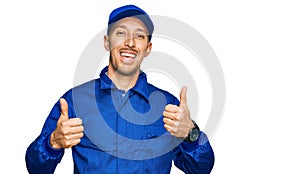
(73, 122)
(72, 130)
(168, 127)
(72, 137)
(169, 122)
(170, 115)
(64, 109)
(76, 141)
(77, 129)
(172, 108)
(183, 96)
(172, 130)
(72, 143)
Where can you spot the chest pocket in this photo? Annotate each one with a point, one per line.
(153, 131)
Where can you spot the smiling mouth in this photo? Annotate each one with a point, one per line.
(128, 55)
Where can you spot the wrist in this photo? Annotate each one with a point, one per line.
(193, 134)
(52, 142)
(191, 125)
(49, 150)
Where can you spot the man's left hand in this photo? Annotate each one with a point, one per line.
(177, 118)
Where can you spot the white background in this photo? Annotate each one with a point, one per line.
(257, 43)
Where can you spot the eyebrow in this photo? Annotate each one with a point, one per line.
(124, 27)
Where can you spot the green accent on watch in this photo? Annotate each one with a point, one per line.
(193, 134)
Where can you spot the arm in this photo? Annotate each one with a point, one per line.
(196, 157)
(191, 157)
(40, 156)
(59, 132)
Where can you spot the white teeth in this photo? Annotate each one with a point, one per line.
(127, 55)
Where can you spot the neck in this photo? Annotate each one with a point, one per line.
(122, 82)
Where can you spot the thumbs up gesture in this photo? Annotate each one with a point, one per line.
(177, 118)
(68, 131)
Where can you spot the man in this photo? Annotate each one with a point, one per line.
(119, 123)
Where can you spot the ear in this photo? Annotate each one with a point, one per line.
(106, 43)
(148, 49)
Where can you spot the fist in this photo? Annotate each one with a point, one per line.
(177, 118)
(68, 131)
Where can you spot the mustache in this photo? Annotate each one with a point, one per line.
(129, 50)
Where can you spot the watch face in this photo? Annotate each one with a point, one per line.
(194, 135)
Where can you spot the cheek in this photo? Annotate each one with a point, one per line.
(115, 43)
(114, 47)
(142, 47)
(114, 52)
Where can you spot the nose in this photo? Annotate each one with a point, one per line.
(130, 42)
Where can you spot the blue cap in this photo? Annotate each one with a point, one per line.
(131, 11)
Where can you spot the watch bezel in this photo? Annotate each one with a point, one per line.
(194, 131)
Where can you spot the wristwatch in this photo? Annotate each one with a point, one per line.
(193, 134)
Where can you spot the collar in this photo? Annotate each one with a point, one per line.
(141, 86)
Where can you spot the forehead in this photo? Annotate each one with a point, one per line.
(130, 23)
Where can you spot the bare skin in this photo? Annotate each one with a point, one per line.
(177, 118)
(68, 131)
(128, 45)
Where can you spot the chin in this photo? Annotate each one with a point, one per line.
(125, 69)
(127, 72)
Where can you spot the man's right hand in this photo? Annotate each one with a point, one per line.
(68, 131)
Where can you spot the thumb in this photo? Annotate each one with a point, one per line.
(183, 96)
(64, 109)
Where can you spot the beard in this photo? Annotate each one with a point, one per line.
(123, 69)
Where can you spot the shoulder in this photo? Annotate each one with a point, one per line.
(171, 99)
(85, 88)
(91, 83)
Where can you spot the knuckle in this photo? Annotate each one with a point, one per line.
(64, 144)
(178, 116)
(175, 130)
(64, 123)
(175, 108)
(164, 120)
(167, 128)
(66, 137)
(166, 107)
(169, 106)
(64, 132)
(79, 121)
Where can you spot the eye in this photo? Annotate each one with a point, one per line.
(140, 35)
(120, 33)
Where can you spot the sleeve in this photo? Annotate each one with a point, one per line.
(40, 157)
(196, 157)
